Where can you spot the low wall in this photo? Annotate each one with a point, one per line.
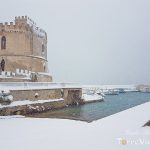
(17, 78)
(44, 78)
(71, 96)
(43, 94)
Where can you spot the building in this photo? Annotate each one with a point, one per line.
(143, 88)
(23, 46)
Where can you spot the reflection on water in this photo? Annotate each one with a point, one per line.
(93, 111)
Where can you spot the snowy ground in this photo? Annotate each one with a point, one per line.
(55, 134)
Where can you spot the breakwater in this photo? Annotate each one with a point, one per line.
(71, 95)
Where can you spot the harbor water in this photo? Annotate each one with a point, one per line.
(94, 111)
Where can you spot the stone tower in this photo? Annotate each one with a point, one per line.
(23, 46)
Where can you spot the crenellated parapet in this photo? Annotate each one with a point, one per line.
(21, 20)
(11, 27)
(23, 45)
(22, 24)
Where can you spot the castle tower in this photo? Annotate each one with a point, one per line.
(23, 46)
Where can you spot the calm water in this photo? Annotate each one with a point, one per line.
(93, 111)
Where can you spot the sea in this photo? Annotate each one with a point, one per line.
(93, 111)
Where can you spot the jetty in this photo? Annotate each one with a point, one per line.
(35, 97)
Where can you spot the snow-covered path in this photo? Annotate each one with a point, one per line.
(57, 134)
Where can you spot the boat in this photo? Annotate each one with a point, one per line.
(121, 90)
(100, 92)
(111, 92)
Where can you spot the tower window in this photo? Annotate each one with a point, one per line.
(44, 67)
(43, 47)
(3, 42)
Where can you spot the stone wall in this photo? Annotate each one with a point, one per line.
(32, 108)
(17, 43)
(26, 46)
(31, 63)
(43, 94)
(22, 38)
(44, 78)
(13, 80)
(72, 96)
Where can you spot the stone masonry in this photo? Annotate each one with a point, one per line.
(24, 46)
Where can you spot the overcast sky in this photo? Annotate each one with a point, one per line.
(91, 41)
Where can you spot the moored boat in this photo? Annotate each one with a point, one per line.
(111, 92)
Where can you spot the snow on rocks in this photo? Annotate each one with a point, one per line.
(27, 107)
(5, 97)
(28, 102)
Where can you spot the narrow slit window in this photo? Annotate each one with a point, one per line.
(43, 47)
(3, 42)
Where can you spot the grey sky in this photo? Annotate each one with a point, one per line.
(91, 41)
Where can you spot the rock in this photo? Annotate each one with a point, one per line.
(18, 113)
(31, 109)
(5, 97)
(8, 98)
(147, 124)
